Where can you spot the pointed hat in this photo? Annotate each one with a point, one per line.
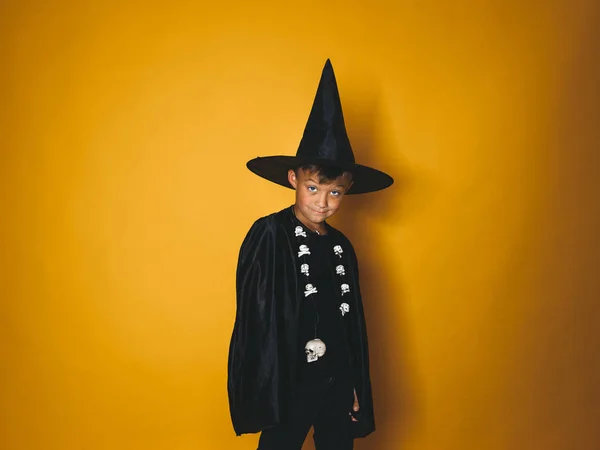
(324, 143)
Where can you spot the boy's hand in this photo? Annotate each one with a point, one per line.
(355, 407)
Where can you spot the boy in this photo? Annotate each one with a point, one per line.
(298, 355)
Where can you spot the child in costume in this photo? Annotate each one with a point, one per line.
(298, 355)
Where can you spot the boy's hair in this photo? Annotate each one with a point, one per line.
(325, 174)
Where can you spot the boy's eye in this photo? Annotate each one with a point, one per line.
(312, 188)
(335, 193)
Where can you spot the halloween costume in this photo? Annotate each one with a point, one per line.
(264, 347)
(286, 276)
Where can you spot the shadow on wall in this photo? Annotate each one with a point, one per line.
(361, 219)
(568, 250)
(381, 276)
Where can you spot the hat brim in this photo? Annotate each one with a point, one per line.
(275, 169)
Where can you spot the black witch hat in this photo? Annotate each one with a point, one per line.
(324, 143)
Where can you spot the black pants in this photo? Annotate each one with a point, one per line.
(326, 405)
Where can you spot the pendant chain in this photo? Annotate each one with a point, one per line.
(316, 348)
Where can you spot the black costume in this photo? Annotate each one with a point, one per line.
(287, 295)
(323, 309)
(264, 348)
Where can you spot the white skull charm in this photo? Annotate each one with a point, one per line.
(303, 250)
(340, 270)
(344, 308)
(338, 250)
(345, 288)
(304, 269)
(310, 289)
(314, 349)
(300, 231)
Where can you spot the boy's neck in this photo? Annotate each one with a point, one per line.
(318, 228)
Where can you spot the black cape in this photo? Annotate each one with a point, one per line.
(264, 346)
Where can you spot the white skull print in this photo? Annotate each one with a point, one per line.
(338, 250)
(345, 288)
(300, 231)
(344, 308)
(310, 289)
(303, 250)
(340, 270)
(304, 269)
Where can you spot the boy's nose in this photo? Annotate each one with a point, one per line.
(321, 201)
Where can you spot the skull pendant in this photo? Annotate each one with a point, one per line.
(314, 349)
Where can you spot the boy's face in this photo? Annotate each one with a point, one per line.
(316, 202)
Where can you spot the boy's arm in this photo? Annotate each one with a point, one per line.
(252, 382)
(365, 421)
(355, 407)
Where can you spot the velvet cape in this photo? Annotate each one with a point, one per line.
(264, 346)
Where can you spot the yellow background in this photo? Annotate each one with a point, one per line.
(124, 129)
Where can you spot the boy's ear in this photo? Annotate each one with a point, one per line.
(292, 178)
(348, 188)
